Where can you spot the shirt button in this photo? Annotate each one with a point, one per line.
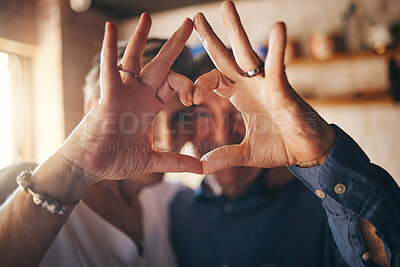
(320, 193)
(366, 256)
(228, 208)
(340, 189)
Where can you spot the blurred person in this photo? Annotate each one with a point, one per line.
(258, 214)
(112, 214)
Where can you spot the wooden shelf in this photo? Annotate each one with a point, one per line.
(394, 52)
(352, 100)
(310, 73)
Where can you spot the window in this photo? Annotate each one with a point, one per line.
(6, 142)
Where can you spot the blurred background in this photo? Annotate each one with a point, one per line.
(343, 56)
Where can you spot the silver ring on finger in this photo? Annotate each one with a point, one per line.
(254, 72)
(127, 72)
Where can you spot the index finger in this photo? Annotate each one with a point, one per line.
(161, 64)
(219, 54)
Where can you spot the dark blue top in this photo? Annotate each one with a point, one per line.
(290, 226)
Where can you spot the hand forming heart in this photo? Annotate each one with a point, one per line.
(281, 128)
(114, 140)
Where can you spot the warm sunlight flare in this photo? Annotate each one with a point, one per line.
(6, 142)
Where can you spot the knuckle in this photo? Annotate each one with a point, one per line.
(186, 85)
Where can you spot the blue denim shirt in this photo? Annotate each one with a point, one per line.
(291, 226)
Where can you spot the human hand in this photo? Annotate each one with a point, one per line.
(281, 128)
(114, 140)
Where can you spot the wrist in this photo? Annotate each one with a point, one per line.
(327, 141)
(61, 179)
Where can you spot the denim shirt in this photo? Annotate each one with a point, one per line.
(291, 226)
(353, 188)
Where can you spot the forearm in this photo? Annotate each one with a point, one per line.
(27, 230)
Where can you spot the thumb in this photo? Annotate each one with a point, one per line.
(222, 158)
(174, 162)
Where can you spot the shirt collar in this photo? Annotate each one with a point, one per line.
(258, 187)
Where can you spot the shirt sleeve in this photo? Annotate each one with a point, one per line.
(350, 187)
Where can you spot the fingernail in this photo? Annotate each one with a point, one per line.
(196, 95)
(190, 99)
(204, 158)
(184, 21)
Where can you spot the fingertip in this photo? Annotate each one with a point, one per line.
(109, 27)
(110, 37)
(145, 16)
(205, 165)
(195, 96)
(227, 5)
(186, 27)
(197, 99)
(108, 24)
(198, 19)
(279, 27)
(189, 99)
(204, 158)
(188, 21)
(195, 165)
(184, 101)
(145, 19)
(198, 16)
(182, 85)
(278, 30)
(277, 45)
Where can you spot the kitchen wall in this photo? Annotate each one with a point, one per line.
(375, 127)
(301, 17)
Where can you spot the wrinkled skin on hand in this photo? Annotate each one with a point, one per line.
(281, 128)
(114, 140)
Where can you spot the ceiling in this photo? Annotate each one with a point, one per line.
(131, 8)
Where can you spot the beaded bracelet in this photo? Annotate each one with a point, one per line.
(41, 200)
